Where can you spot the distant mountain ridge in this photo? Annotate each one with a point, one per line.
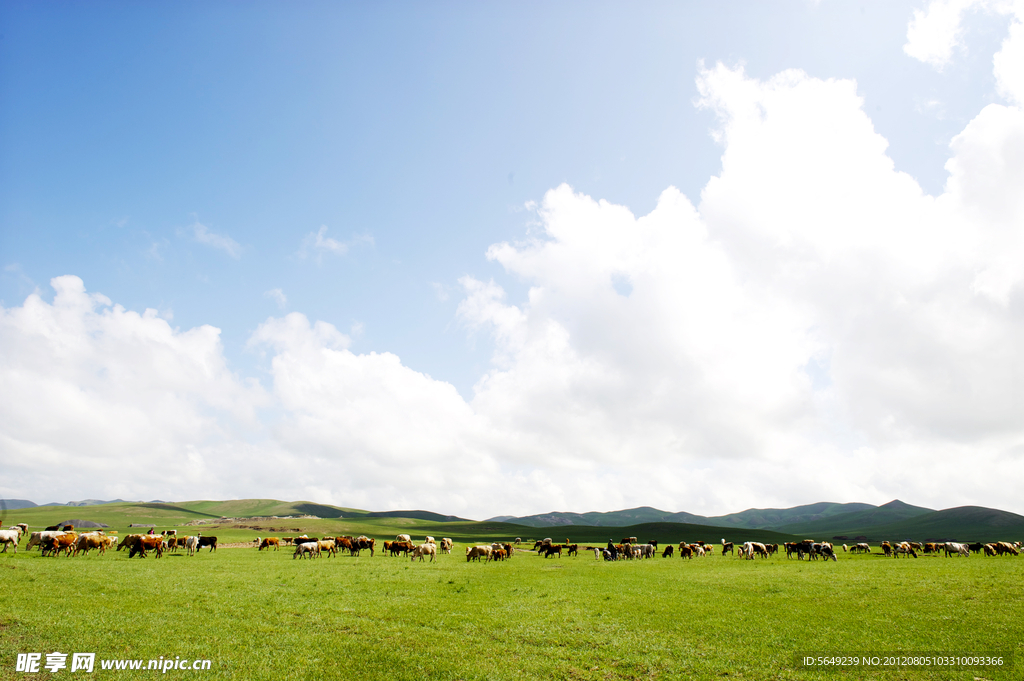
(753, 518)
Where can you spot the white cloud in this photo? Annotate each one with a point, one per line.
(935, 32)
(816, 327)
(278, 296)
(318, 244)
(218, 241)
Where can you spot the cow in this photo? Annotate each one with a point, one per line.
(727, 547)
(307, 550)
(191, 544)
(447, 544)
(828, 552)
(138, 544)
(37, 537)
(497, 554)
(89, 541)
(905, 549)
(647, 551)
(541, 543)
(326, 546)
(862, 547)
(476, 552)
(208, 541)
(430, 540)
(404, 537)
(363, 542)
(571, 549)
(8, 537)
(63, 543)
(667, 553)
(519, 540)
(990, 549)
(628, 540)
(268, 542)
(553, 549)
(953, 548)
(398, 547)
(424, 549)
(886, 548)
(1005, 547)
(170, 533)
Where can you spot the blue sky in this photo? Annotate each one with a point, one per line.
(228, 164)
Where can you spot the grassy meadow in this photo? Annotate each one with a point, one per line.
(264, 615)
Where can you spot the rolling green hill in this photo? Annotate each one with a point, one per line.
(753, 518)
(965, 523)
(854, 522)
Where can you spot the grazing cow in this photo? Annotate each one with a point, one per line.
(667, 553)
(64, 543)
(647, 551)
(628, 540)
(138, 544)
(886, 548)
(447, 544)
(553, 549)
(1005, 547)
(953, 548)
(398, 547)
(37, 537)
(572, 549)
(541, 543)
(519, 540)
(89, 541)
(425, 549)
(727, 547)
(270, 541)
(685, 551)
(828, 552)
(309, 550)
(68, 528)
(211, 542)
(990, 549)
(404, 537)
(363, 542)
(477, 552)
(8, 537)
(905, 549)
(170, 533)
(698, 550)
(497, 554)
(862, 547)
(429, 540)
(191, 544)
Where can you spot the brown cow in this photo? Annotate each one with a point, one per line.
(270, 541)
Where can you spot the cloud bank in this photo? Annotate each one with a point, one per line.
(815, 327)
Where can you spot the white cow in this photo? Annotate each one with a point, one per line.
(8, 537)
(191, 544)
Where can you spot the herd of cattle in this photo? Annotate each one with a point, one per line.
(54, 541)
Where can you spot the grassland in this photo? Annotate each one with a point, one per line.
(264, 615)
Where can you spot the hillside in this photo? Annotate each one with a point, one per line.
(754, 518)
(853, 523)
(965, 523)
(12, 504)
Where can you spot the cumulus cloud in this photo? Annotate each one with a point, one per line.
(813, 326)
(218, 241)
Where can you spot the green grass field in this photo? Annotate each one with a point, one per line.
(264, 615)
